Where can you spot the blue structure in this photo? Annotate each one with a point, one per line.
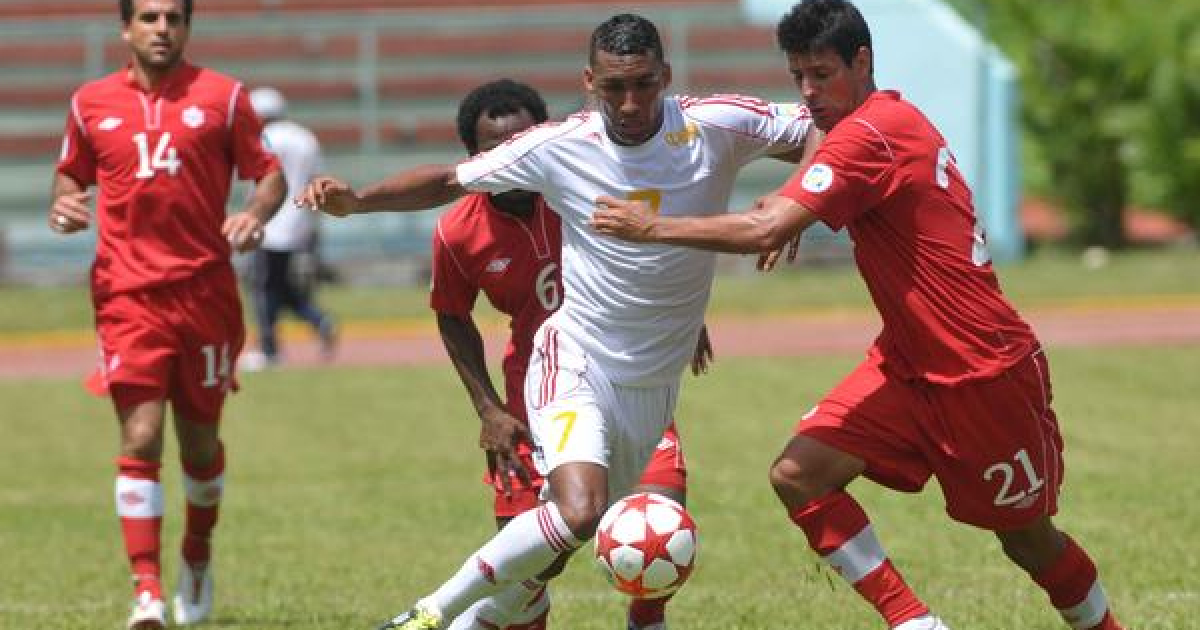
(965, 85)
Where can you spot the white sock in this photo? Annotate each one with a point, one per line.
(525, 547)
(519, 603)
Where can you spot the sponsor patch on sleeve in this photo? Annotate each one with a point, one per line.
(818, 178)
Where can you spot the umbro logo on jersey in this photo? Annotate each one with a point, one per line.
(110, 123)
(593, 136)
(498, 265)
(193, 117)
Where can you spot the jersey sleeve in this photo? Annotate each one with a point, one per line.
(250, 155)
(851, 172)
(514, 165)
(77, 159)
(758, 127)
(451, 292)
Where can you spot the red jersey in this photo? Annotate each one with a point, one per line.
(163, 162)
(885, 174)
(514, 261)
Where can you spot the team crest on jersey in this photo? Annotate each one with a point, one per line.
(498, 265)
(818, 178)
(110, 123)
(193, 117)
(683, 137)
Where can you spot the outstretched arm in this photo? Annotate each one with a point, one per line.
(500, 430)
(418, 188)
(769, 224)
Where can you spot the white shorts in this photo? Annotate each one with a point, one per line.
(576, 414)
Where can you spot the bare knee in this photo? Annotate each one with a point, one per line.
(1033, 547)
(582, 513)
(808, 470)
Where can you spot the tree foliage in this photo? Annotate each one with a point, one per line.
(1110, 95)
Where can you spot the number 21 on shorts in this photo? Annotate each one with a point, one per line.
(1007, 474)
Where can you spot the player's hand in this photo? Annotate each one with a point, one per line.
(767, 260)
(624, 219)
(71, 212)
(703, 356)
(498, 437)
(329, 195)
(243, 230)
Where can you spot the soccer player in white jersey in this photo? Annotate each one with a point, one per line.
(604, 376)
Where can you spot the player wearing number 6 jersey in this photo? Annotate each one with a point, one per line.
(160, 139)
(955, 386)
(604, 375)
(508, 247)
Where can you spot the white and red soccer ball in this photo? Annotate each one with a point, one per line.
(646, 545)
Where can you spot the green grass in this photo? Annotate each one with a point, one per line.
(1049, 278)
(353, 491)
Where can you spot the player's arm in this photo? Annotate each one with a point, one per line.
(70, 211)
(769, 224)
(245, 229)
(803, 155)
(499, 431)
(419, 188)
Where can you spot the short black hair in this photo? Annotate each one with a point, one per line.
(626, 34)
(126, 7)
(815, 25)
(503, 97)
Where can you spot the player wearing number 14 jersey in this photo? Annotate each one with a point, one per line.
(160, 140)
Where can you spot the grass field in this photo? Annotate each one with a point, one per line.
(351, 492)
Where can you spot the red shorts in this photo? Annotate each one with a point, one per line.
(994, 444)
(177, 342)
(665, 468)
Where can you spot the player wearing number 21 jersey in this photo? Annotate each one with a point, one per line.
(956, 386)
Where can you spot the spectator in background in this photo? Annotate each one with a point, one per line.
(160, 139)
(283, 274)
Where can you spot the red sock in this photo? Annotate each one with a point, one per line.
(838, 530)
(645, 612)
(140, 508)
(1073, 585)
(203, 487)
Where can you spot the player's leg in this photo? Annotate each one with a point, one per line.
(275, 289)
(1017, 449)
(139, 498)
(848, 434)
(209, 324)
(527, 547)
(524, 605)
(298, 297)
(137, 359)
(1063, 569)
(202, 456)
(666, 474)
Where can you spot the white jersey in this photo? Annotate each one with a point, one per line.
(636, 309)
(299, 154)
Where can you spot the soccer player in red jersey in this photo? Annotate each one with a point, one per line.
(508, 247)
(159, 139)
(956, 385)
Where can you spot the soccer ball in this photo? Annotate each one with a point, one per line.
(646, 545)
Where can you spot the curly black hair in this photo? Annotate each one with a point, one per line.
(626, 34)
(126, 8)
(496, 98)
(815, 25)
